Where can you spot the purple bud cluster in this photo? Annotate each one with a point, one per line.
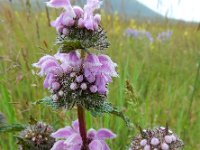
(75, 16)
(37, 136)
(160, 138)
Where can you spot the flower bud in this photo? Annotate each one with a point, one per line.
(79, 79)
(164, 146)
(154, 141)
(80, 23)
(173, 138)
(65, 31)
(73, 74)
(73, 86)
(97, 18)
(93, 89)
(83, 86)
(55, 86)
(61, 93)
(168, 139)
(78, 11)
(143, 142)
(147, 147)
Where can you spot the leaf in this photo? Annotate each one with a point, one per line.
(47, 101)
(107, 107)
(11, 128)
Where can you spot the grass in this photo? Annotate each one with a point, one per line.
(164, 75)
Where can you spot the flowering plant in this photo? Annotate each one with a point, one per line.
(76, 77)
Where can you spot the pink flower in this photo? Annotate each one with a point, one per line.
(78, 11)
(100, 69)
(66, 18)
(71, 139)
(95, 71)
(89, 20)
(85, 18)
(51, 67)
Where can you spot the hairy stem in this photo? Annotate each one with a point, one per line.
(81, 119)
(82, 126)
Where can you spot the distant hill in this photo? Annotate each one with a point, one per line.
(130, 8)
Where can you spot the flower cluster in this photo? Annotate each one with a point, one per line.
(138, 34)
(164, 36)
(76, 16)
(37, 137)
(159, 138)
(70, 77)
(69, 138)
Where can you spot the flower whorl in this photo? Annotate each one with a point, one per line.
(160, 138)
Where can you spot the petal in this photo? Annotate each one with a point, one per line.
(105, 134)
(50, 66)
(78, 11)
(105, 146)
(66, 68)
(58, 3)
(59, 145)
(96, 145)
(97, 18)
(48, 80)
(75, 147)
(58, 22)
(74, 139)
(105, 58)
(75, 125)
(73, 58)
(66, 20)
(91, 61)
(63, 133)
(81, 23)
(42, 60)
(91, 134)
(89, 23)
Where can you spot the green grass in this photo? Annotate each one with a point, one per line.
(163, 75)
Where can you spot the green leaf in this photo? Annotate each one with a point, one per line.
(107, 107)
(11, 128)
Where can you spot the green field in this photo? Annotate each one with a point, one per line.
(165, 76)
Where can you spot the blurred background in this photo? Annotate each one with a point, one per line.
(155, 43)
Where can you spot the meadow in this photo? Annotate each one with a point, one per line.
(164, 76)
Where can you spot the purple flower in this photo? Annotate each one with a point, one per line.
(164, 36)
(137, 34)
(78, 11)
(100, 69)
(48, 64)
(69, 138)
(94, 71)
(76, 15)
(50, 67)
(91, 22)
(58, 3)
(70, 61)
(66, 18)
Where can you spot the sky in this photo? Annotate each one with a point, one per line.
(188, 10)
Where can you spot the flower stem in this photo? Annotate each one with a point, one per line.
(82, 126)
(81, 119)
